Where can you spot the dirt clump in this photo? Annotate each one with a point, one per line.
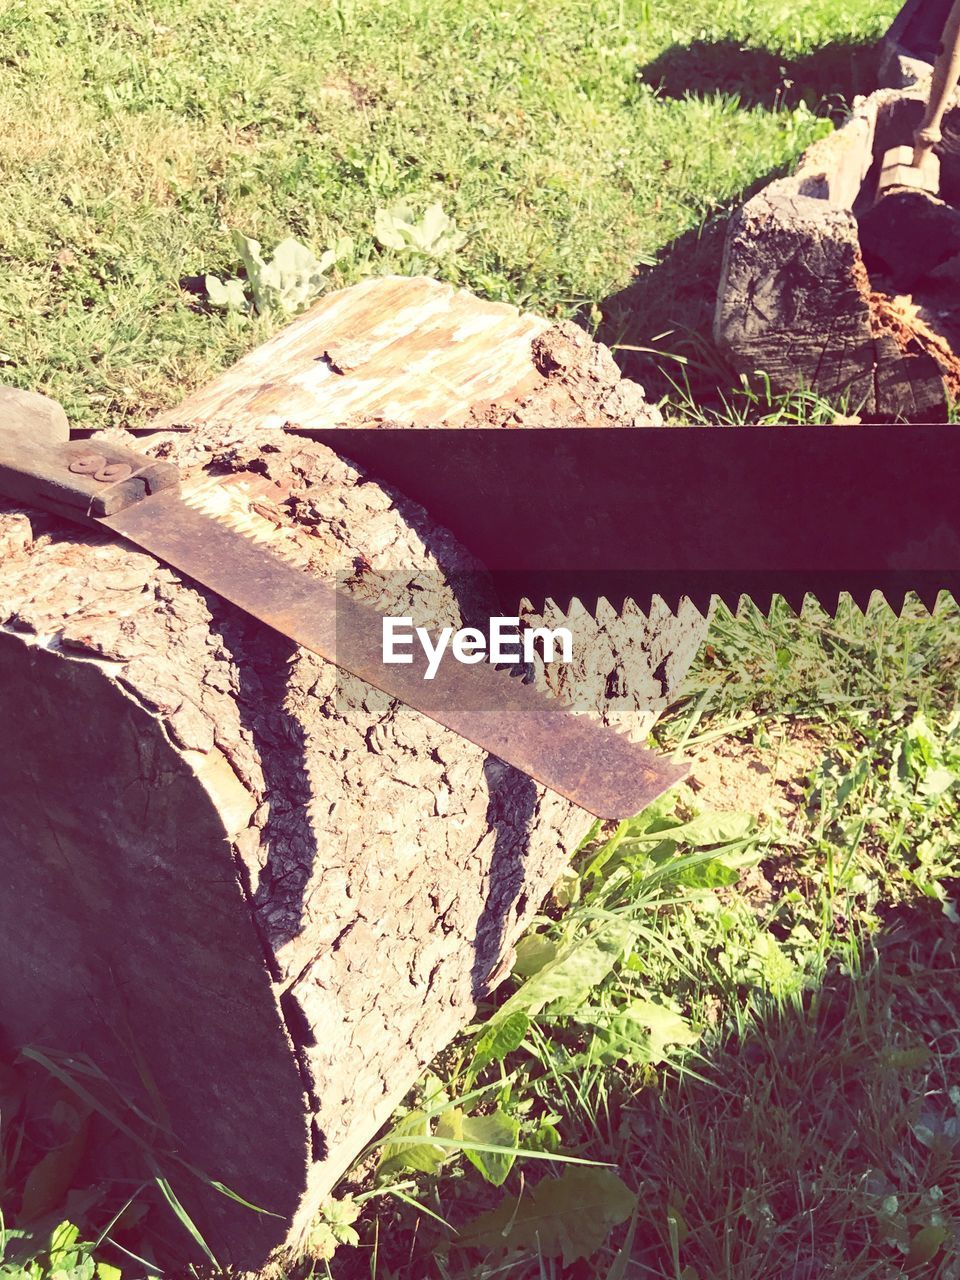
(769, 781)
(580, 386)
(927, 321)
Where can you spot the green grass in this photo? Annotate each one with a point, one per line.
(753, 1016)
(134, 135)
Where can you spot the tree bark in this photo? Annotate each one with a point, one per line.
(242, 875)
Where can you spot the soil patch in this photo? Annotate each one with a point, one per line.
(768, 780)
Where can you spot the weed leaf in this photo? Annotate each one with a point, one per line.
(534, 950)
(566, 982)
(421, 1157)
(228, 295)
(180, 1213)
(925, 1245)
(713, 873)
(500, 1038)
(434, 235)
(703, 831)
(497, 1129)
(63, 1239)
(52, 1176)
(568, 1217)
(333, 1227)
(641, 1033)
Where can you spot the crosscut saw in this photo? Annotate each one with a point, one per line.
(554, 514)
(585, 514)
(131, 494)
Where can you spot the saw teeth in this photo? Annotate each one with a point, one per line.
(614, 604)
(861, 597)
(605, 613)
(601, 608)
(632, 609)
(794, 601)
(233, 506)
(826, 601)
(895, 599)
(929, 598)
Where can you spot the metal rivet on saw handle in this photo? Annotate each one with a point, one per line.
(86, 464)
(114, 471)
(96, 465)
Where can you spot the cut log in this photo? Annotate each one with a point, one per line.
(410, 351)
(241, 875)
(799, 303)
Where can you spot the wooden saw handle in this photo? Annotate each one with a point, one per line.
(40, 466)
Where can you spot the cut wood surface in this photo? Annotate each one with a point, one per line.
(273, 887)
(411, 351)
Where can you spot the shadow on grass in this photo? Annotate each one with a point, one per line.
(824, 80)
(823, 1140)
(826, 1141)
(660, 325)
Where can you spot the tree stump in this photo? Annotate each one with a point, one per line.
(798, 302)
(241, 874)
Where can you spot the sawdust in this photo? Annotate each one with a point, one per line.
(931, 313)
(926, 322)
(920, 327)
(580, 386)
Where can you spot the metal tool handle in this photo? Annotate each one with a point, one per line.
(946, 72)
(40, 466)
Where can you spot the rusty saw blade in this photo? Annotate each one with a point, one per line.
(639, 512)
(597, 768)
(139, 497)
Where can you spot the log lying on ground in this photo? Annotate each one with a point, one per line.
(284, 889)
(259, 880)
(796, 300)
(411, 351)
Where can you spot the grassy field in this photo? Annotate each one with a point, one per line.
(741, 1008)
(571, 141)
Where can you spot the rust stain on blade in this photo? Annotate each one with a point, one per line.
(595, 767)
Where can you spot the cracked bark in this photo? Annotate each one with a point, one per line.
(278, 888)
